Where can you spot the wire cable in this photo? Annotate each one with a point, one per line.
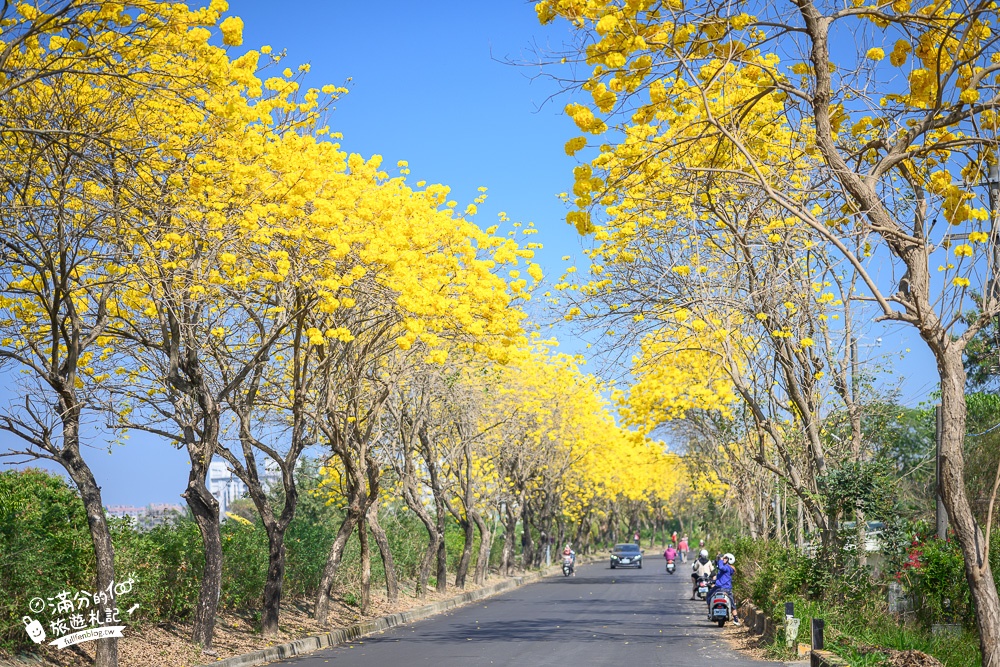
(989, 430)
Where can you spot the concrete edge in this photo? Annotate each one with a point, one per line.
(757, 622)
(821, 658)
(339, 636)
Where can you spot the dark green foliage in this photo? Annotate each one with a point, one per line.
(771, 574)
(902, 436)
(854, 604)
(309, 535)
(982, 355)
(407, 540)
(982, 452)
(244, 564)
(166, 563)
(45, 545)
(939, 583)
(868, 486)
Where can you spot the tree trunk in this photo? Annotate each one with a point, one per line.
(779, 523)
(765, 515)
(205, 509)
(333, 559)
(275, 578)
(527, 546)
(784, 513)
(442, 549)
(960, 516)
(800, 539)
(413, 502)
(580, 541)
(104, 551)
(463, 564)
(391, 582)
(275, 527)
(509, 541)
(752, 520)
(485, 547)
(441, 515)
(366, 568)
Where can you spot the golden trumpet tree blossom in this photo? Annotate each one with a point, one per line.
(877, 161)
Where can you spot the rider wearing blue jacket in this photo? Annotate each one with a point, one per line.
(724, 572)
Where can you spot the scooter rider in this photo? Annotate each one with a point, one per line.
(568, 552)
(703, 568)
(724, 581)
(670, 554)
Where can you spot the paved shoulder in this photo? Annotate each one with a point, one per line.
(599, 617)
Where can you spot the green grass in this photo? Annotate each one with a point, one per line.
(850, 629)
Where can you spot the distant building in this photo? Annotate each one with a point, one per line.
(272, 475)
(146, 517)
(223, 484)
(226, 487)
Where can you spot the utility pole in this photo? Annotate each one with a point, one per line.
(942, 514)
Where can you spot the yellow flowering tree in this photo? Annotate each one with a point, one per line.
(699, 97)
(94, 93)
(424, 279)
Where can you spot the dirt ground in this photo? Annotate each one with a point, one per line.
(746, 644)
(167, 645)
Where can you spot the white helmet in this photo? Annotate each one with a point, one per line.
(704, 553)
(731, 558)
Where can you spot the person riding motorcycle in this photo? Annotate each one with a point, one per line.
(703, 568)
(569, 553)
(724, 572)
(670, 554)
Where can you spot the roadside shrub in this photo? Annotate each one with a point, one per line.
(45, 546)
(854, 606)
(244, 563)
(136, 557)
(938, 584)
(407, 540)
(309, 535)
(307, 544)
(771, 574)
(166, 562)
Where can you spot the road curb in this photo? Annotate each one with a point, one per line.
(820, 658)
(343, 635)
(758, 623)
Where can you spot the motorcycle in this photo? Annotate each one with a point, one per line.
(720, 609)
(567, 565)
(702, 588)
(670, 566)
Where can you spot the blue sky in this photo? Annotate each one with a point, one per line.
(430, 85)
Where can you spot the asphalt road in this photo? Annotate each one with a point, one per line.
(599, 617)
